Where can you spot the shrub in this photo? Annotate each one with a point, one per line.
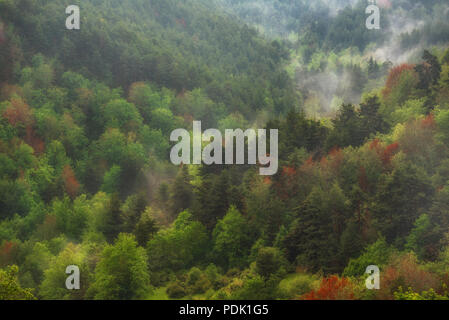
(332, 288)
(296, 285)
(175, 291)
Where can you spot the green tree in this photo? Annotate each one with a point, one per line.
(123, 115)
(181, 194)
(314, 236)
(111, 180)
(10, 288)
(420, 238)
(122, 272)
(180, 246)
(347, 129)
(373, 68)
(371, 119)
(256, 288)
(132, 210)
(113, 219)
(145, 228)
(377, 254)
(399, 200)
(268, 261)
(231, 240)
(212, 199)
(53, 286)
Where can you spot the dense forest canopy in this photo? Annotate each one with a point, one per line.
(85, 175)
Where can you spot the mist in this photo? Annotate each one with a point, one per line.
(325, 87)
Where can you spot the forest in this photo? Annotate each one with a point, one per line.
(85, 171)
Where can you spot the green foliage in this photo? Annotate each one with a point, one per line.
(145, 228)
(122, 272)
(296, 285)
(412, 109)
(269, 261)
(256, 288)
(122, 115)
(181, 195)
(352, 127)
(425, 295)
(418, 238)
(113, 219)
(298, 132)
(71, 218)
(402, 88)
(85, 176)
(36, 262)
(175, 291)
(399, 199)
(197, 282)
(231, 240)
(10, 289)
(111, 180)
(53, 286)
(442, 120)
(132, 210)
(180, 246)
(428, 72)
(377, 254)
(317, 216)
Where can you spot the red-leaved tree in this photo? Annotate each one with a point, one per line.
(395, 76)
(332, 288)
(71, 184)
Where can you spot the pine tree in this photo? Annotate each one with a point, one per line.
(212, 199)
(429, 72)
(145, 228)
(347, 128)
(181, 195)
(132, 210)
(400, 199)
(373, 68)
(371, 119)
(311, 241)
(113, 220)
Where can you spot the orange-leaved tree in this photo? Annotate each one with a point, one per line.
(332, 288)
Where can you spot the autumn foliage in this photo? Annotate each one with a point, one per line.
(395, 76)
(285, 186)
(332, 288)
(8, 251)
(405, 272)
(385, 153)
(419, 136)
(429, 122)
(333, 161)
(18, 112)
(8, 90)
(33, 140)
(363, 179)
(71, 184)
(389, 152)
